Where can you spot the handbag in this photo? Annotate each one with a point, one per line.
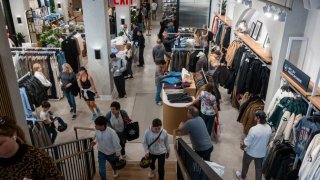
(145, 162)
(120, 164)
(132, 131)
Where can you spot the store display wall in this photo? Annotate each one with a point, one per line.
(18, 9)
(311, 63)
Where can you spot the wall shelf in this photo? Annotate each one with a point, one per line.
(296, 85)
(224, 19)
(254, 46)
(315, 100)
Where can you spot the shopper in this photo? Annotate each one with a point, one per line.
(167, 43)
(170, 27)
(208, 37)
(199, 136)
(108, 146)
(118, 66)
(129, 59)
(19, 160)
(154, 7)
(255, 146)
(158, 52)
(88, 91)
(163, 25)
(126, 34)
(118, 120)
(159, 75)
(48, 119)
(202, 63)
(197, 38)
(141, 45)
(209, 109)
(140, 20)
(37, 69)
(67, 78)
(135, 30)
(156, 146)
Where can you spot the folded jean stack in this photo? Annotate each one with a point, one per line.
(179, 98)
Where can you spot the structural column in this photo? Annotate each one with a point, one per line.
(96, 22)
(18, 9)
(10, 100)
(122, 12)
(63, 9)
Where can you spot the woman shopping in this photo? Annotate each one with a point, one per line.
(129, 58)
(37, 68)
(209, 109)
(19, 160)
(67, 79)
(88, 91)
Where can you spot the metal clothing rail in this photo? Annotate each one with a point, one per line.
(24, 76)
(35, 52)
(187, 49)
(34, 48)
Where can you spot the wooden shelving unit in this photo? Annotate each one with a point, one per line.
(254, 46)
(296, 86)
(315, 100)
(224, 19)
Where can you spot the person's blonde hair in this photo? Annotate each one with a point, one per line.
(36, 67)
(66, 65)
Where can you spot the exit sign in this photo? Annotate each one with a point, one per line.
(122, 2)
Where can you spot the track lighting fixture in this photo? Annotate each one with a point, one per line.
(282, 16)
(277, 14)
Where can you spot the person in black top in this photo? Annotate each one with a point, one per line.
(135, 30)
(175, 24)
(163, 25)
(88, 91)
(141, 45)
(140, 19)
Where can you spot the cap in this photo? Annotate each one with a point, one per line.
(260, 114)
(82, 69)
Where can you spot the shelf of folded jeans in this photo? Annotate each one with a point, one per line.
(254, 46)
(224, 19)
(173, 113)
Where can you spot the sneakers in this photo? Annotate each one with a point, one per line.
(74, 116)
(98, 111)
(94, 116)
(71, 110)
(115, 173)
(151, 173)
(238, 175)
(159, 103)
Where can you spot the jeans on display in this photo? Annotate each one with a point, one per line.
(209, 121)
(71, 100)
(158, 92)
(119, 81)
(245, 165)
(161, 161)
(51, 131)
(206, 154)
(102, 158)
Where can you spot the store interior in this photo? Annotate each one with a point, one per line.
(269, 62)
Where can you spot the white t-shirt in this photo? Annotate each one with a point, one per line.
(257, 140)
(154, 6)
(44, 116)
(108, 141)
(42, 79)
(117, 123)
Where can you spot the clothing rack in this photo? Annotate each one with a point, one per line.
(35, 52)
(187, 49)
(34, 48)
(24, 76)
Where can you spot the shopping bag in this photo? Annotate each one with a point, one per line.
(120, 164)
(132, 131)
(216, 168)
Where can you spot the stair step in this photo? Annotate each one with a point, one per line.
(134, 171)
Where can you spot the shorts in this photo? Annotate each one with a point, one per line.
(91, 96)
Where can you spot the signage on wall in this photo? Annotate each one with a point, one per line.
(296, 74)
(122, 2)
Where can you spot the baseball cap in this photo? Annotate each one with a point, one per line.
(260, 114)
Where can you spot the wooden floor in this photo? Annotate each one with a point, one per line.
(134, 171)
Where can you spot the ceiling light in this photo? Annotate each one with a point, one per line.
(265, 8)
(275, 16)
(239, 1)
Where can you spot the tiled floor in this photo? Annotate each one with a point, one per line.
(226, 152)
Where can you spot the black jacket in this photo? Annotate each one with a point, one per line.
(167, 43)
(36, 92)
(141, 41)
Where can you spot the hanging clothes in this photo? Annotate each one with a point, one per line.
(232, 50)
(70, 48)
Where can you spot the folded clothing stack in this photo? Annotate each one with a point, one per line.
(179, 98)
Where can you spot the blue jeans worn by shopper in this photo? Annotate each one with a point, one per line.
(209, 121)
(158, 92)
(102, 158)
(71, 100)
(52, 132)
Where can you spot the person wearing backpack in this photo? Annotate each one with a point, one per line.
(118, 120)
(118, 67)
(156, 146)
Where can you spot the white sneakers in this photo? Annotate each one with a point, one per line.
(151, 173)
(115, 173)
(238, 175)
(159, 103)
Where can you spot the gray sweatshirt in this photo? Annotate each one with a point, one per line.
(158, 53)
(161, 146)
(118, 67)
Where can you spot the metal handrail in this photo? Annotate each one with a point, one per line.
(180, 164)
(82, 128)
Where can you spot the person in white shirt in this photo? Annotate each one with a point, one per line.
(154, 7)
(156, 146)
(108, 146)
(37, 69)
(255, 146)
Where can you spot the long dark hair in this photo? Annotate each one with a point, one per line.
(209, 88)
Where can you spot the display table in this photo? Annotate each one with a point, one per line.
(173, 113)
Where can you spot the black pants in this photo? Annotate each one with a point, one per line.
(120, 85)
(141, 58)
(129, 66)
(123, 140)
(205, 154)
(161, 160)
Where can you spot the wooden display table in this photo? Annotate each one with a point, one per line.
(173, 113)
(191, 90)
